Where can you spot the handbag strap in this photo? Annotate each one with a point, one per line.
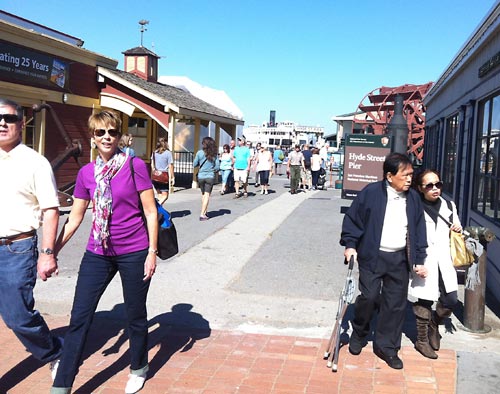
(448, 222)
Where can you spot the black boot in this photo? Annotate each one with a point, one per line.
(438, 316)
(423, 317)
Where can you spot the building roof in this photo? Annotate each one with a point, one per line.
(181, 101)
(139, 51)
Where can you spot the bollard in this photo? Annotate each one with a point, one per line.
(474, 300)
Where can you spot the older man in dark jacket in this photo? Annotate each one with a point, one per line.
(384, 229)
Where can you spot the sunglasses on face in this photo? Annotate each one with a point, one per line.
(430, 186)
(101, 132)
(9, 118)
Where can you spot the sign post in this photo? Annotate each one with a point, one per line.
(363, 161)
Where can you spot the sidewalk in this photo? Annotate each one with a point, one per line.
(227, 362)
(260, 305)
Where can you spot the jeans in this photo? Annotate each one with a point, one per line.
(225, 176)
(96, 272)
(18, 272)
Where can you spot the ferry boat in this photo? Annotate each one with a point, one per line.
(284, 134)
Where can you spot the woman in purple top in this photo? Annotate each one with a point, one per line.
(119, 242)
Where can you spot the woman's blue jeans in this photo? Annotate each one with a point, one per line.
(225, 176)
(96, 272)
(18, 277)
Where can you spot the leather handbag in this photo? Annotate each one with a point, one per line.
(159, 176)
(460, 255)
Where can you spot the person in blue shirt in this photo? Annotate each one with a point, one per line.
(241, 163)
(208, 162)
(278, 157)
(125, 144)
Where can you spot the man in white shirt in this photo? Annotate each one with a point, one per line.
(28, 199)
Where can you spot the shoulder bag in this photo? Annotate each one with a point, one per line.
(158, 175)
(167, 244)
(460, 255)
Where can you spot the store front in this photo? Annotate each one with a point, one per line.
(462, 138)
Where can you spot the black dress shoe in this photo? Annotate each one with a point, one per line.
(392, 361)
(356, 344)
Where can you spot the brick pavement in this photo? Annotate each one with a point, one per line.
(187, 361)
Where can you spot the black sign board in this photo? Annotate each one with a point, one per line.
(24, 64)
(363, 161)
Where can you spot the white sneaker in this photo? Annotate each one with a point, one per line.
(53, 368)
(135, 383)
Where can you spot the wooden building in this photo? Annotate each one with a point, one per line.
(51, 70)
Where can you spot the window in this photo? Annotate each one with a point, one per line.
(487, 185)
(450, 153)
(431, 146)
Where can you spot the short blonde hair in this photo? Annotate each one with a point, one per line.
(106, 117)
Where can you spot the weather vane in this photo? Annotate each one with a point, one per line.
(143, 23)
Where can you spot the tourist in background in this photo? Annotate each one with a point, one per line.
(226, 165)
(441, 283)
(264, 167)
(294, 166)
(241, 166)
(255, 152)
(125, 144)
(278, 157)
(162, 160)
(208, 162)
(305, 173)
(316, 165)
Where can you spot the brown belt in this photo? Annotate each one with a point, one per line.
(18, 237)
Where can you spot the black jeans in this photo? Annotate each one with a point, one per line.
(95, 274)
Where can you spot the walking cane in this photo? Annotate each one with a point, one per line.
(346, 297)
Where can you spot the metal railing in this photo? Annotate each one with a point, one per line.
(183, 168)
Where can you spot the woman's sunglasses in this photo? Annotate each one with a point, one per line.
(9, 118)
(101, 132)
(430, 186)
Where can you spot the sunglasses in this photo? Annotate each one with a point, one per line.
(430, 186)
(101, 132)
(9, 118)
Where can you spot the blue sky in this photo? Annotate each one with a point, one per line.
(307, 60)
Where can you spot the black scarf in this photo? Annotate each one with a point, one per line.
(432, 208)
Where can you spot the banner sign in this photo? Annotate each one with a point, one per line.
(24, 64)
(363, 161)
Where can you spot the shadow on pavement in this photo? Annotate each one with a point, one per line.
(219, 212)
(180, 214)
(174, 331)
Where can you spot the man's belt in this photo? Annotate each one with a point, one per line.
(17, 237)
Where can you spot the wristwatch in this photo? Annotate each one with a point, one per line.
(47, 251)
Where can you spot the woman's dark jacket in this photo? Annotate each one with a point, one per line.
(363, 222)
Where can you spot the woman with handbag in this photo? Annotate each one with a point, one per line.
(118, 242)
(208, 162)
(441, 283)
(162, 170)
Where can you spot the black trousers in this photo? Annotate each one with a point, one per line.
(387, 289)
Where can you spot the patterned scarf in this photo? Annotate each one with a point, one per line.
(103, 199)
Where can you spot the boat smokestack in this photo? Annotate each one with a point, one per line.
(272, 119)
